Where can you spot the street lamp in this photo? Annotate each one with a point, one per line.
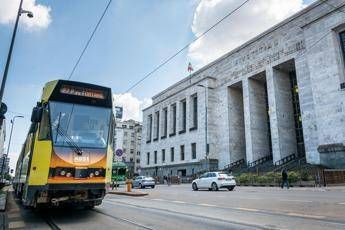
(9, 144)
(4, 78)
(206, 144)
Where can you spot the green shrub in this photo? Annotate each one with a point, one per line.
(305, 176)
(243, 178)
(293, 177)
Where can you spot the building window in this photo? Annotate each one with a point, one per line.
(148, 158)
(193, 150)
(183, 116)
(138, 161)
(132, 151)
(173, 120)
(182, 152)
(342, 43)
(172, 154)
(131, 159)
(165, 123)
(149, 128)
(156, 126)
(163, 155)
(155, 157)
(124, 126)
(194, 112)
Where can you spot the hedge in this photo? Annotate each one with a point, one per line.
(273, 177)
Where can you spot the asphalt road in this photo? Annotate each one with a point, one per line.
(178, 207)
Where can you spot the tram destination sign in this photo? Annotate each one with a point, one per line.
(82, 92)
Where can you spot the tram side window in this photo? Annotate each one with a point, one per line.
(44, 132)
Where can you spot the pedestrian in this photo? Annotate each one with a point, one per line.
(285, 180)
(165, 180)
(169, 180)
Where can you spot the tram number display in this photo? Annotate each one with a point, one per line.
(81, 159)
(82, 92)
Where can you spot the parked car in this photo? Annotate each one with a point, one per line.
(214, 181)
(143, 182)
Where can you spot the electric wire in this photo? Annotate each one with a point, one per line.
(90, 38)
(186, 46)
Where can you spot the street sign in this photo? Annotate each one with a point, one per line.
(118, 152)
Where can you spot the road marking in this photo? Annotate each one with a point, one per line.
(305, 215)
(179, 202)
(16, 224)
(158, 199)
(13, 215)
(208, 205)
(252, 198)
(14, 209)
(342, 203)
(300, 201)
(247, 209)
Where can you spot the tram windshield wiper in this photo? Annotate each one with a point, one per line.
(69, 141)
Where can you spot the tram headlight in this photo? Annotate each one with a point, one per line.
(63, 173)
(96, 173)
(68, 174)
(91, 174)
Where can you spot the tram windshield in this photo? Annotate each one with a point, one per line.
(84, 126)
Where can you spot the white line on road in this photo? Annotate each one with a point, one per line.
(208, 205)
(247, 209)
(342, 203)
(305, 215)
(299, 201)
(158, 199)
(179, 202)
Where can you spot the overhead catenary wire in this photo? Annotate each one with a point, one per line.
(89, 40)
(186, 46)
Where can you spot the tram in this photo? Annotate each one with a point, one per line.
(119, 173)
(67, 154)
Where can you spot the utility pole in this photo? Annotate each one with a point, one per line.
(8, 147)
(4, 78)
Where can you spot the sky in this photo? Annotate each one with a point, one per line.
(133, 38)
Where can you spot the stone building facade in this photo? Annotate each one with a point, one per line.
(127, 138)
(279, 94)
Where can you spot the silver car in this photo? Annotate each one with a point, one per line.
(143, 182)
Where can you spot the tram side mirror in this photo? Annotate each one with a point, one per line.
(36, 115)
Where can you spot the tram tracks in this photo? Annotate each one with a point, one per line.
(54, 226)
(141, 226)
(50, 222)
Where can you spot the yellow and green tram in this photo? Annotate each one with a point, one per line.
(67, 155)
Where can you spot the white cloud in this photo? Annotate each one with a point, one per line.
(249, 21)
(132, 106)
(9, 9)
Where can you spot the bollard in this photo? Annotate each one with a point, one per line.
(129, 185)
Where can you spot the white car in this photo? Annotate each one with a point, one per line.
(214, 181)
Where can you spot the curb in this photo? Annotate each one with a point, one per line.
(137, 194)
